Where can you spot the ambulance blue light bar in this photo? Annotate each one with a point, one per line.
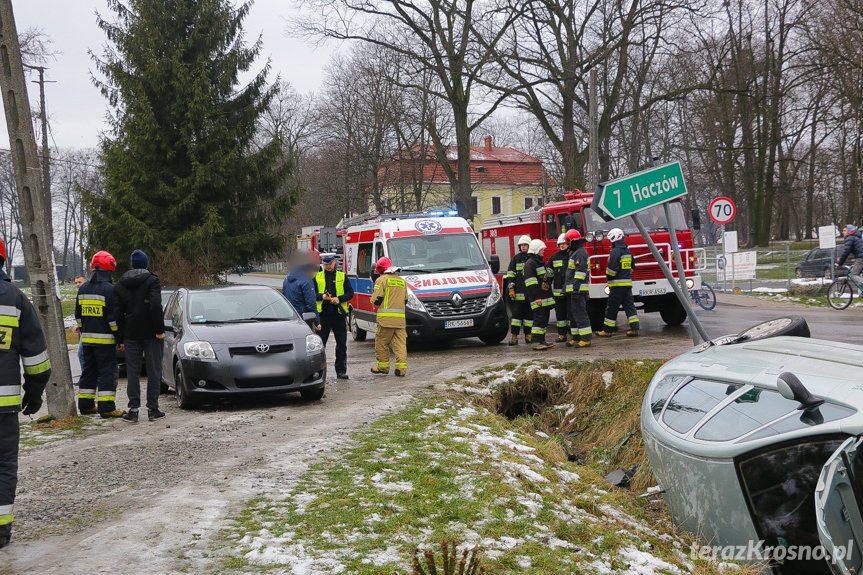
(407, 215)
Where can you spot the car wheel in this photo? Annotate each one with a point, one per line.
(672, 312)
(494, 337)
(798, 273)
(827, 274)
(312, 394)
(357, 333)
(184, 397)
(794, 325)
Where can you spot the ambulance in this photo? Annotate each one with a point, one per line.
(452, 292)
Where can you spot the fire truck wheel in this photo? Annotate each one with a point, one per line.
(357, 332)
(672, 312)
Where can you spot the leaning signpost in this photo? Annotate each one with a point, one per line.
(629, 195)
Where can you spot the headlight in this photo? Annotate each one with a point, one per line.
(199, 350)
(589, 236)
(314, 344)
(690, 283)
(414, 302)
(494, 296)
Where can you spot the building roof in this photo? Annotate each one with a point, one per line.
(490, 165)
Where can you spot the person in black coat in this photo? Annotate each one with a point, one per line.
(853, 245)
(140, 331)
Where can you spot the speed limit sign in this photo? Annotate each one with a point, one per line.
(722, 210)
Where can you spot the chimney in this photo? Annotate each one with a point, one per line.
(488, 143)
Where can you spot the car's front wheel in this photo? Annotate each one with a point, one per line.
(312, 394)
(357, 333)
(184, 396)
(798, 273)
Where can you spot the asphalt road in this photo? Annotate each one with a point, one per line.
(152, 497)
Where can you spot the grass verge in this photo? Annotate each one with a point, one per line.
(451, 467)
(35, 433)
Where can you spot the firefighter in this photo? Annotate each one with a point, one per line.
(334, 291)
(537, 282)
(577, 290)
(521, 315)
(94, 312)
(558, 263)
(20, 337)
(619, 274)
(390, 296)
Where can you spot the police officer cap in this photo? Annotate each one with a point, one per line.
(328, 258)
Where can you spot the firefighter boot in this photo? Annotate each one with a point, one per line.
(527, 337)
(561, 338)
(604, 333)
(514, 340)
(110, 414)
(632, 333)
(379, 371)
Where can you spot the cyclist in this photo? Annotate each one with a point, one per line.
(853, 245)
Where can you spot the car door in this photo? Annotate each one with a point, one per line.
(174, 318)
(837, 507)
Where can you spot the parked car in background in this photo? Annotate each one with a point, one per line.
(818, 262)
(224, 340)
(756, 437)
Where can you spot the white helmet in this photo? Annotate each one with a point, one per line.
(536, 246)
(561, 239)
(525, 239)
(615, 234)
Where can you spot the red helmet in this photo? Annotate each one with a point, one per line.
(103, 261)
(573, 235)
(383, 264)
(2, 253)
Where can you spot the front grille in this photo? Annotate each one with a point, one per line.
(648, 273)
(446, 308)
(250, 350)
(250, 382)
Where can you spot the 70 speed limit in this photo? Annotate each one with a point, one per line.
(722, 210)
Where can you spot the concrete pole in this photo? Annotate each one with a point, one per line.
(593, 141)
(37, 242)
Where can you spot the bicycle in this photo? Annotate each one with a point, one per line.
(841, 292)
(705, 297)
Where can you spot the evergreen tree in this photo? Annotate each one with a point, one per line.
(184, 172)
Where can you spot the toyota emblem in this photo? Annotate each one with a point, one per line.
(457, 299)
(262, 348)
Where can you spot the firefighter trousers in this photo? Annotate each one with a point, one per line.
(617, 298)
(98, 384)
(8, 469)
(522, 317)
(561, 313)
(398, 337)
(579, 319)
(540, 322)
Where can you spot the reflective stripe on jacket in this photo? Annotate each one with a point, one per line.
(535, 273)
(94, 310)
(22, 343)
(390, 295)
(515, 274)
(576, 272)
(619, 271)
(321, 282)
(558, 263)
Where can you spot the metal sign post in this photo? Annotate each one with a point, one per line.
(678, 262)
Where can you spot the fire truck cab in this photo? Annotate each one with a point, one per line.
(652, 292)
(452, 292)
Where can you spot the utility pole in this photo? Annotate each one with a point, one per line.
(37, 243)
(46, 152)
(593, 141)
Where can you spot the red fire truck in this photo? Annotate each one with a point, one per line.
(651, 290)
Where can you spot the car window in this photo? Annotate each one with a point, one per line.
(550, 227)
(177, 312)
(693, 401)
(364, 260)
(239, 305)
(803, 419)
(662, 391)
(746, 413)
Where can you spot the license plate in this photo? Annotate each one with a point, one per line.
(458, 323)
(652, 291)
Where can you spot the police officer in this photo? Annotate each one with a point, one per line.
(521, 314)
(537, 282)
(20, 337)
(577, 290)
(619, 275)
(334, 291)
(558, 263)
(94, 312)
(389, 296)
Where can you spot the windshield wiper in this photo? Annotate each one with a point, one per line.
(455, 269)
(268, 319)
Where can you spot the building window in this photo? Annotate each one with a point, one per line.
(528, 203)
(474, 205)
(480, 169)
(495, 205)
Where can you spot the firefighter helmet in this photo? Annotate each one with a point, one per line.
(383, 265)
(561, 239)
(615, 234)
(573, 236)
(525, 239)
(536, 246)
(102, 260)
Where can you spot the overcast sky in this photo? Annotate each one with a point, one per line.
(76, 109)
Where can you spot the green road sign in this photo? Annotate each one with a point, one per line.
(639, 191)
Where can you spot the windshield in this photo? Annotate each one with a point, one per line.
(652, 218)
(239, 306)
(437, 253)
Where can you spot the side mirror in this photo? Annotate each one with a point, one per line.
(494, 263)
(169, 326)
(790, 387)
(309, 316)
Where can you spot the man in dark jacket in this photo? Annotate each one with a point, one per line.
(299, 286)
(514, 278)
(558, 263)
(21, 342)
(578, 290)
(94, 313)
(140, 330)
(619, 274)
(537, 282)
(853, 245)
(334, 291)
